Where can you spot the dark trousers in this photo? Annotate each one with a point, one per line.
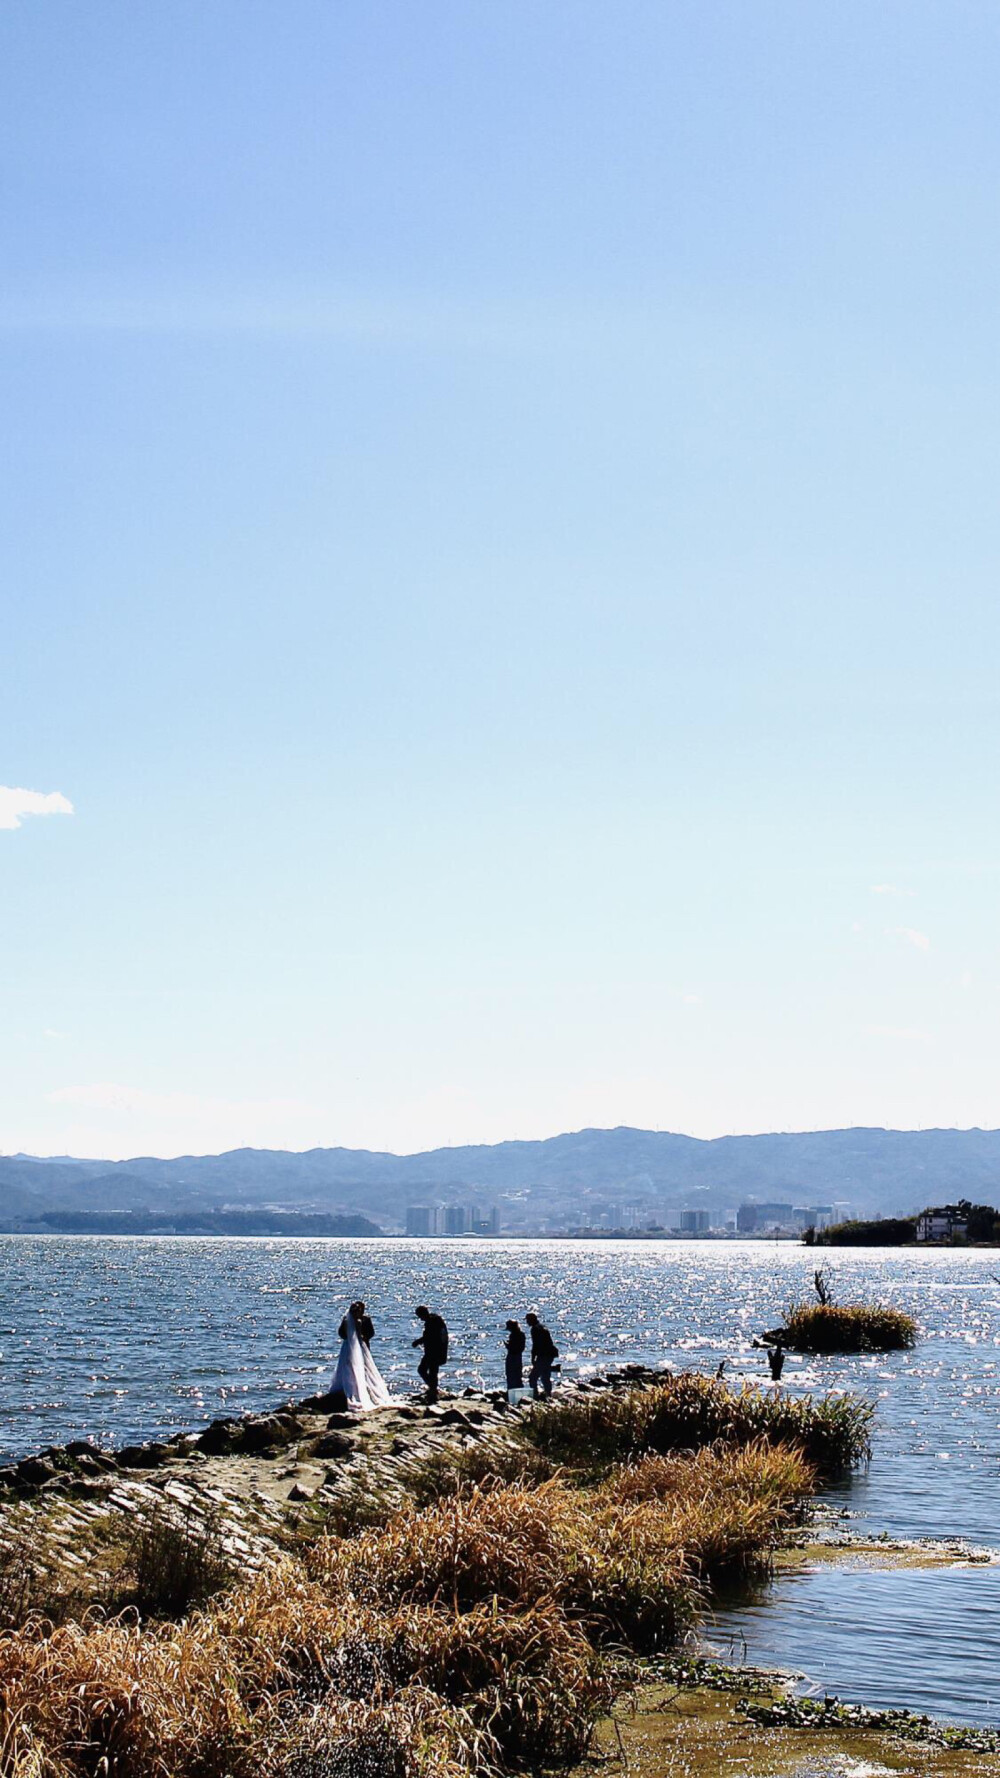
(428, 1369)
(541, 1372)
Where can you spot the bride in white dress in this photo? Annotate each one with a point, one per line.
(357, 1374)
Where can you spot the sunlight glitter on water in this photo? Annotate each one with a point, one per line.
(123, 1339)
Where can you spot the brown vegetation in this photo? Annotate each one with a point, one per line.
(474, 1634)
(686, 1412)
(847, 1327)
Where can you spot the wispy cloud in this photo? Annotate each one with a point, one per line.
(890, 889)
(902, 1033)
(16, 803)
(919, 940)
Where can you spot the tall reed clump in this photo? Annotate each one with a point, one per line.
(726, 1509)
(847, 1327)
(629, 1561)
(686, 1412)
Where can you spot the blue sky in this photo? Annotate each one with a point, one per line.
(499, 549)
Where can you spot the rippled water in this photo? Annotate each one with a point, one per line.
(920, 1639)
(122, 1339)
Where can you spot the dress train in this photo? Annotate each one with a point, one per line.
(357, 1374)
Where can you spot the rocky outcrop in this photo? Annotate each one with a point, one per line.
(251, 1478)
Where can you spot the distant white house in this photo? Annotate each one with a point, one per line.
(941, 1224)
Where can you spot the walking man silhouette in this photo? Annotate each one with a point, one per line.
(434, 1341)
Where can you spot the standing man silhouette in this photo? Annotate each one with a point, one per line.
(543, 1356)
(434, 1341)
(514, 1357)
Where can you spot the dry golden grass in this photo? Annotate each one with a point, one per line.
(464, 1638)
(848, 1327)
(726, 1510)
(501, 1543)
(625, 1559)
(687, 1411)
(117, 1699)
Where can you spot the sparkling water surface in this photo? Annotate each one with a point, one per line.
(121, 1339)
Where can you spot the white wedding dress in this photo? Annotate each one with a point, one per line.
(358, 1375)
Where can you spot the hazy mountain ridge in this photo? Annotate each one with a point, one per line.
(558, 1180)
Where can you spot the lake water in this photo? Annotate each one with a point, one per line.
(123, 1339)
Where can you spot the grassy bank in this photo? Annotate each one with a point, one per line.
(847, 1327)
(482, 1627)
(686, 1412)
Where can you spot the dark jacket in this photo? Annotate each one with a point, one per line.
(434, 1339)
(543, 1346)
(365, 1326)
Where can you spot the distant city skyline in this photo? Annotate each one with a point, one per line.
(500, 556)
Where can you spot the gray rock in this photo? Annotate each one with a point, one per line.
(318, 1404)
(184, 1443)
(35, 1470)
(270, 1429)
(148, 1456)
(93, 1465)
(220, 1438)
(334, 1444)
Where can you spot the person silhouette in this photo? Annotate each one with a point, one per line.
(513, 1347)
(543, 1356)
(434, 1341)
(364, 1325)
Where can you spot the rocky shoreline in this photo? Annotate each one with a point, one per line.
(256, 1479)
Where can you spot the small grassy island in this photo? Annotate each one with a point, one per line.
(474, 1615)
(847, 1327)
(828, 1327)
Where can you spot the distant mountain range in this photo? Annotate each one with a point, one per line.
(563, 1181)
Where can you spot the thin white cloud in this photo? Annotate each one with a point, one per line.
(890, 889)
(16, 803)
(919, 940)
(903, 1033)
(691, 999)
